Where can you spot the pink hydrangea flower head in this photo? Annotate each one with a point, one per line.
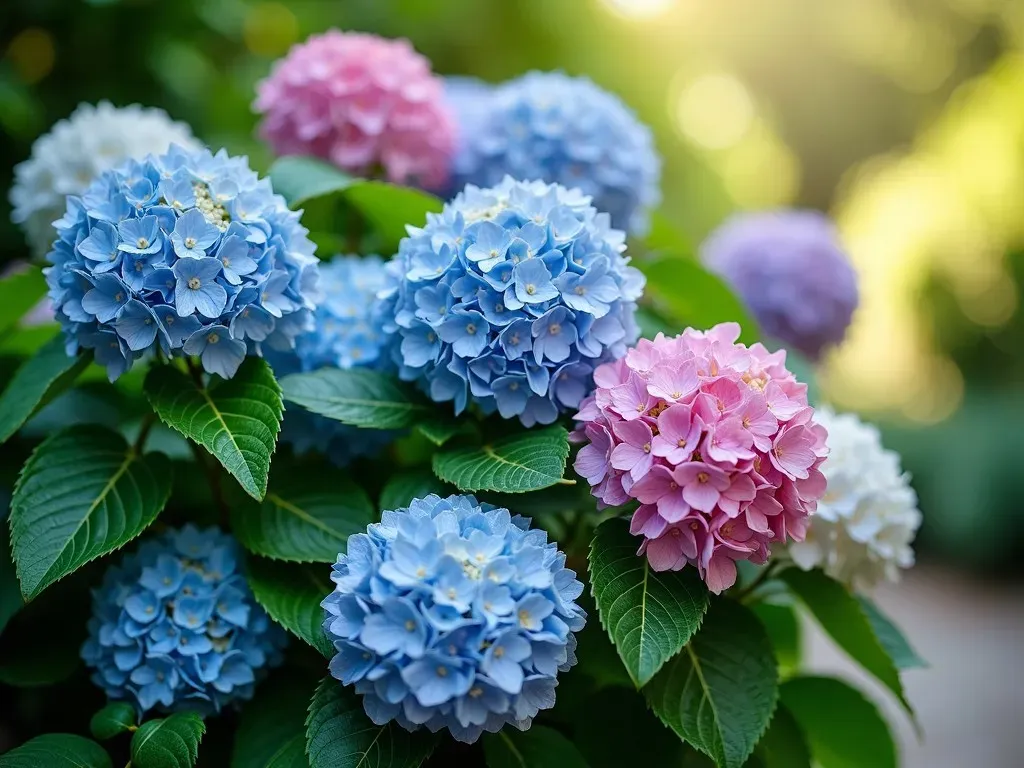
(363, 102)
(716, 442)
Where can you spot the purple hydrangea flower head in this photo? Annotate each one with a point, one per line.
(560, 129)
(346, 334)
(511, 296)
(175, 627)
(189, 253)
(453, 614)
(791, 271)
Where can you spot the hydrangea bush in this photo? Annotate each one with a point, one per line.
(363, 102)
(347, 333)
(453, 614)
(559, 129)
(790, 269)
(716, 442)
(509, 298)
(187, 253)
(539, 538)
(175, 626)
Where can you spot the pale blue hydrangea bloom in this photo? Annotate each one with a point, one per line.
(792, 272)
(559, 129)
(453, 614)
(346, 334)
(175, 626)
(511, 296)
(187, 253)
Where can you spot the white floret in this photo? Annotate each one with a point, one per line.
(76, 150)
(865, 524)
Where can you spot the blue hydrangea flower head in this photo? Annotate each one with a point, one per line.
(560, 129)
(174, 626)
(791, 270)
(511, 296)
(346, 334)
(189, 253)
(453, 614)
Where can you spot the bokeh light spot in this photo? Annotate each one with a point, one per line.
(638, 9)
(714, 110)
(270, 29)
(32, 54)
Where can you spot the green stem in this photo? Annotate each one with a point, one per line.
(147, 424)
(744, 594)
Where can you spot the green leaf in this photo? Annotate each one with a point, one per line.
(666, 238)
(236, 420)
(56, 750)
(538, 747)
(172, 742)
(440, 430)
(304, 519)
(358, 397)
(299, 179)
(391, 208)
(40, 379)
(115, 718)
(402, 487)
(522, 462)
(272, 728)
(783, 745)
(18, 294)
(720, 693)
(689, 295)
(340, 735)
(84, 492)
(387, 207)
(843, 729)
(291, 595)
(892, 639)
(843, 618)
(783, 626)
(649, 616)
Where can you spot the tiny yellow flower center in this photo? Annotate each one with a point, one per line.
(194, 283)
(470, 328)
(442, 671)
(554, 329)
(410, 626)
(142, 243)
(190, 242)
(213, 338)
(647, 447)
(702, 477)
(531, 289)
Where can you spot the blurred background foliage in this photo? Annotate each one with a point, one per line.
(902, 118)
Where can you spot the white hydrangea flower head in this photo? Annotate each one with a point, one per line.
(862, 531)
(76, 150)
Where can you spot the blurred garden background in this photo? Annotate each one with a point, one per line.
(903, 119)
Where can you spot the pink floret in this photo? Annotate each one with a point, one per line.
(714, 439)
(364, 103)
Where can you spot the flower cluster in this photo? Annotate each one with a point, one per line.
(791, 271)
(714, 439)
(346, 334)
(453, 614)
(867, 519)
(512, 295)
(175, 626)
(560, 129)
(189, 253)
(364, 103)
(77, 150)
